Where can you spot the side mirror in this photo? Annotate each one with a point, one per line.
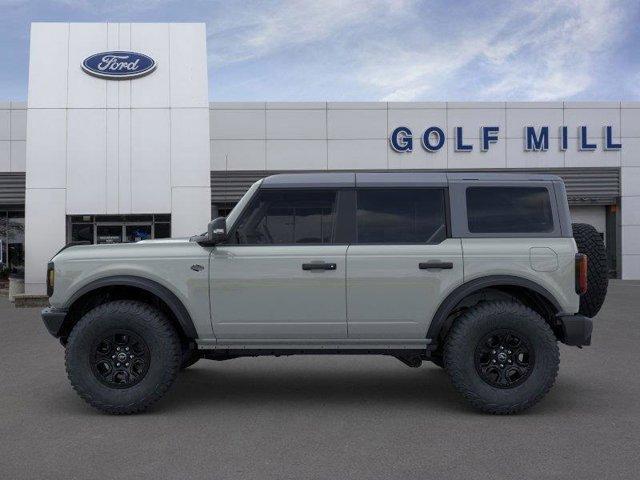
(217, 230)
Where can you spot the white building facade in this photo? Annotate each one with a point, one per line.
(108, 160)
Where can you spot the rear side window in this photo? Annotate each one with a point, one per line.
(281, 217)
(509, 210)
(402, 215)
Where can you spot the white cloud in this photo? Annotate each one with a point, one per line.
(105, 7)
(257, 30)
(569, 50)
(404, 50)
(400, 49)
(542, 51)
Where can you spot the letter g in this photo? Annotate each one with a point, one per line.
(401, 139)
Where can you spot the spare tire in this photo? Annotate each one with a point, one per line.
(590, 243)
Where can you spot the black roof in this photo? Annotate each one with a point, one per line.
(395, 179)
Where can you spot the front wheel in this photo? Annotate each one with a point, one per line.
(502, 357)
(122, 356)
(189, 357)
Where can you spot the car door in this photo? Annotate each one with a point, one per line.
(281, 276)
(402, 263)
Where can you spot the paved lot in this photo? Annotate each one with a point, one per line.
(324, 417)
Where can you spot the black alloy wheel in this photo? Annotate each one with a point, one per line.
(120, 359)
(504, 358)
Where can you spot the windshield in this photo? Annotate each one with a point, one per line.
(233, 215)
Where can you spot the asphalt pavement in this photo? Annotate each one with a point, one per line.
(324, 417)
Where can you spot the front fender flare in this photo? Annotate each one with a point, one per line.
(163, 293)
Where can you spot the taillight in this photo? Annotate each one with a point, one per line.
(51, 278)
(581, 273)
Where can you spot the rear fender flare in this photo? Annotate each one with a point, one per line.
(468, 288)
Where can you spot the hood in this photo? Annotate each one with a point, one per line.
(159, 241)
(168, 247)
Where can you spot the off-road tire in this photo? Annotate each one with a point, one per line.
(437, 360)
(189, 357)
(469, 331)
(147, 323)
(590, 243)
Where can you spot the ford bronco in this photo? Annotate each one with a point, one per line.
(480, 273)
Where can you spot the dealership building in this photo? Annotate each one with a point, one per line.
(117, 141)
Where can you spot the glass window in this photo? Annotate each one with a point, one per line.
(509, 210)
(3, 245)
(401, 215)
(280, 217)
(14, 242)
(82, 218)
(162, 230)
(109, 233)
(221, 210)
(135, 233)
(110, 218)
(235, 212)
(82, 232)
(136, 218)
(127, 228)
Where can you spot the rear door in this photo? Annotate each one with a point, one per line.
(402, 263)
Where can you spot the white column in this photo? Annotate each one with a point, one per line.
(44, 234)
(630, 177)
(97, 146)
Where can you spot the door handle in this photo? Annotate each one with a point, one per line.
(319, 266)
(435, 265)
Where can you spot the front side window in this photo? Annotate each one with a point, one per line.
(282, 217)
(401, 215)
(239, 207)
(509, 210)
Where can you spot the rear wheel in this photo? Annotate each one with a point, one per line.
(590, 243)
(502, 357)
(437, 360)
(122, 356)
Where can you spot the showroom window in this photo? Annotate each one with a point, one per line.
(288, 217)
(221, 209)
(98, 229)
(401, 215)
(11, 243)
(509, 210)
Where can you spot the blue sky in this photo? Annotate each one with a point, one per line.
(378, 49)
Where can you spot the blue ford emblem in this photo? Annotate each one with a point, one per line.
(118, 65)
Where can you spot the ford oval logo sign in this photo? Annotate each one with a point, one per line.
(118, 65)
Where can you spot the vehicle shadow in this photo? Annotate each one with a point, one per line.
(228, 387)
(427, 386)
(210, 384)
